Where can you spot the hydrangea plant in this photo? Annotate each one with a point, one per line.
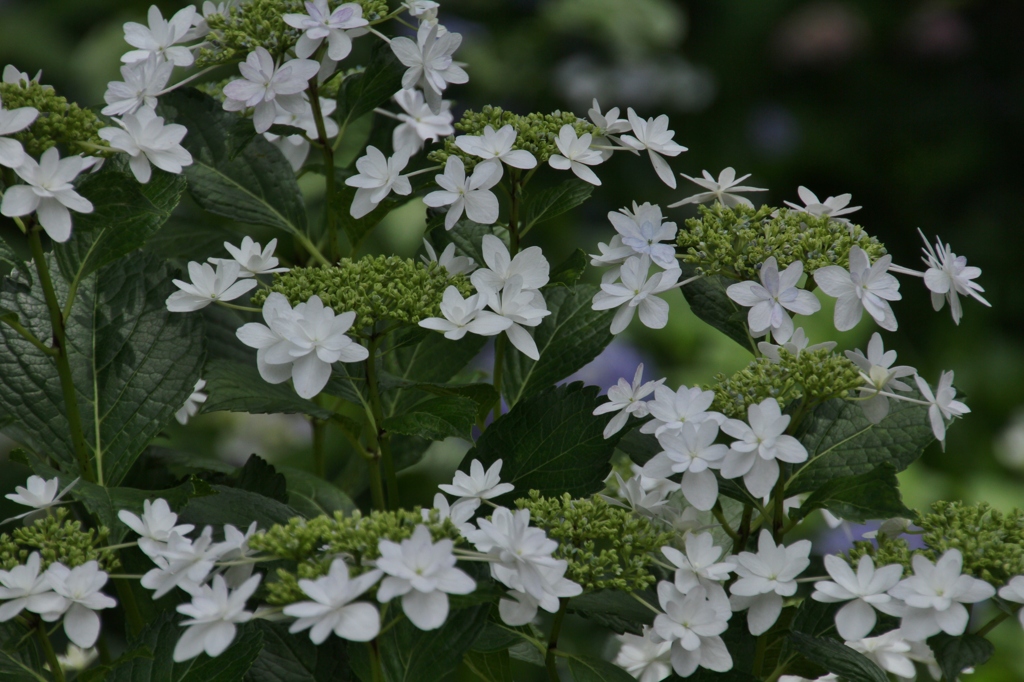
(663, 515)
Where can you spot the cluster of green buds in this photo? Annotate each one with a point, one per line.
(734, 242)
(813, 376)
(312, 544)
(377, 288)
(60, 122)
(536, 133)
(57, 538)
(606, 547)
(889, 551)
(992, 543)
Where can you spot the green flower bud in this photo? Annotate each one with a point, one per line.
(59, 122)
(992, 543)
(57, 539)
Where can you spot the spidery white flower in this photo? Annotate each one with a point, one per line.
(253, 259)
(320, 22)
(462, 315)
(876, 368)
(419, 123)
(575, 154)
(636, 292)
(766, 577)
(724, 190)
(643, 231)
(865, 286)
(213, 616)
(497, 146)
(949, 276)
(155, 526)
(378, 176)
(654, 136)
(942, 404)
(646, 657)
(455, 265)
(143, 82)
(832, 207)
(472, 195)
(48, 192)
(769, 300)
(146, 139)
(207, 286)
(429, 61)
(625, 399)
(477, 483)
(691, 450)
(263, 83)
(864, 591)
(12, 121)
(761, 444)
(694, 626)
(80, 588)
(333, 608)
(160, 38)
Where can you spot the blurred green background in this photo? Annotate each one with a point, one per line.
(914, 107)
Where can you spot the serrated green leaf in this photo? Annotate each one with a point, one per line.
(363, 91)
(436, 419)
(841, 442)
(838, 658)
(235, 173)
(425, 357)
(18, 663)
(549, 442)
(126, 214)
(614, 609)
(709, 302)
(873, 495)
(260, 477)
(495, 666)
(569, 271)
(226, 505)
(312, 496)
(294, 658)
(589, 669)
(234, 387)
(569, 338)
(554, 201)
(956, 654)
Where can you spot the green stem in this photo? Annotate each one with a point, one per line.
(556, 629)
(376, 669)
(497, 374)
(720, 516)
(759, 651)
(779, 671)
(67, 383)
(126, 596)
(376, 485)
(311, 249)
(996, 620)
(51, 656)
(744, 531)
(330, 223)
(778, 516)
(382, 437)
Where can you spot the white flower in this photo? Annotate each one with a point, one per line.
(39, 493)
(455, 265)
(213, 615)
(320, 22)
(890, 651)
(459, 513)
(473, 196)
(12, 76)
(627, 399)
(77, 658)
(49, 193)
(643, 231)
(302, 343)
(724, 190)
(463, 315)
(478, 483)
(942, 405)
(879, 375)
(645, 501)
(654, 136)
(671, 409)
(429, 61)
(423, 573)
(693, 625)
(23, 587)
(523, 308)
(234, 548)
(608, 121)
(497, 145)
(529, 264)
(80, 587)
(420, 123)
(181, 563)
(948, 276)
(522, 607)
(935, 596)
(576, 154)
(145, 138)
(143, 82)
(832, 207)
(794, 345)
(767, 577)
(160, 38)
(1011, 591)
(690, 450)
(200, 22)
(331, 609)
(263, 82)
(636, 292)
(378, 176)
(207, 286)
(769, 300)
(251, 258)
(865, 591)
(700, 565)
(761, 444)
(647, 657)
(612, 253)
(155, 526)
(863, 287)
(424, 10)
(300, 115)
(12, 154)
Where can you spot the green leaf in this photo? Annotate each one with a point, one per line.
(362, 92)
(221, 343)
(549, 442)
(126, 214)
(18, 663)
(569, 271)
(874, 495)
(133, 363)
(260, 477)
(955, 654)
(193, 236)
(838, 658)
(425, 357)
(569, 338)
(614, 609)
(160, 638)
(554, 201)
(709, 302)
(10, 258)
(105, 503)
(436, 419)
(294, 658)
(589, 669)
(235, 173)
(490, 667)
(841, 442)
(411, 392)
(234, 387)
(639, 446)
(238, 507)
(356, 229)
(312, 496)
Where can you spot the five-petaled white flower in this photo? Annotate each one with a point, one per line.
(180, 563)
(39, 493)
(419, 123)
(472, 195)
(12, 154)
(891, 651)
(263, 83)
(80, 588)
(497, 145)
(642, 230)
(576, 154)
(143, 82)
(671, 409)
(331, 608)
(635, 292)
(529, 264)
(876, 368)
(378, 176)
(208, 285)
(320, 22)
(213, 617)
(609, 121)
(693, 625)
(942, 404)
(762, 443)
(478, 483)
(700, 565)
(832, 207)
(766, 577)
(155, 525)
(523, 308)
(627, 399)
(865, 591)
(646, 657)
(429, 61)
(724, 190)
(463, 315)
(160, 38)
(769, 300)
(146, 139)
(24, 587)
(654, 136)
(949, 276)
(191, 406)
(455, 265)
(423, 574)
(691, 450)
(48, 192)
(252, 259)
(865, 286)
